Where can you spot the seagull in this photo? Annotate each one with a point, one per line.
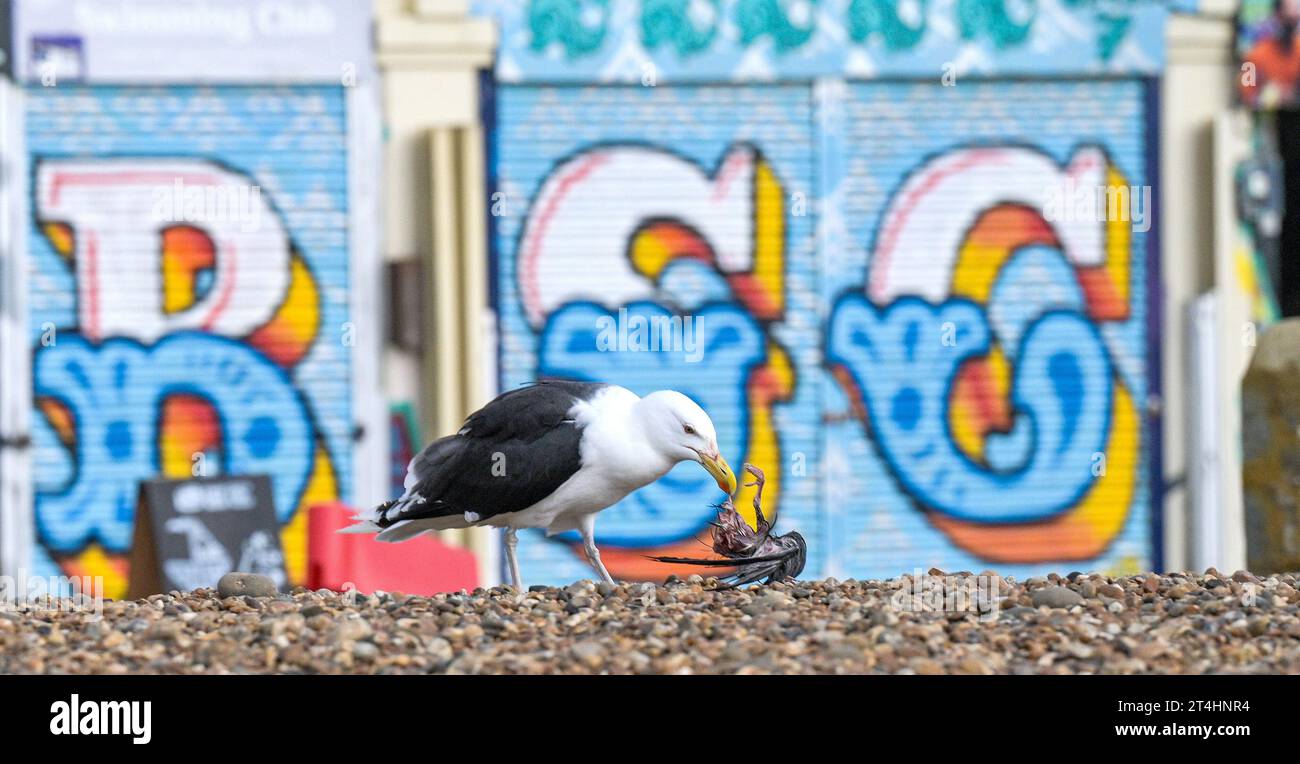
(549, 455)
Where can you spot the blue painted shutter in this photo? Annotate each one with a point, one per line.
(188, 298)
(685, 202)
(992, 321)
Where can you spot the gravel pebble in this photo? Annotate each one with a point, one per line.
(1055, 597)
(589, 653)
(1177, 623)
(246, 585)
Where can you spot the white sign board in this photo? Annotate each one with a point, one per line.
(191, 41)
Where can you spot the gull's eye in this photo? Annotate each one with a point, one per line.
(688, 429)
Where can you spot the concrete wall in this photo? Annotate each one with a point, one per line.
(1196, 89)
(430, 54)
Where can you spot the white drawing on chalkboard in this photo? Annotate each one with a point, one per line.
(207, 561)
(191, 498)
(260, 554)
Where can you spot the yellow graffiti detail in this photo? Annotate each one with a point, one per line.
(778, 362)
(287, 337)
(1249, 280)
(1119, 234)
(650, 253)
(300, 313)
(60, 238)
(1104, 507)
(772, 382)
(769, 233)
(321, 487)
(176, 460)
(1244, 261)
(93, 562)
(977, 270)
(1124, 566)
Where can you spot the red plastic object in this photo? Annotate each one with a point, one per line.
(422, 565)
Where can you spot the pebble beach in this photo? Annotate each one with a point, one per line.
(1076, 624)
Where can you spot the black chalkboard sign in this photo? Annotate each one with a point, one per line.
(6, 31)
(189, 533)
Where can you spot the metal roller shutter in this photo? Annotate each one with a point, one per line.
(990, 326)
(188, 304)
(985, 325)
(622, 205)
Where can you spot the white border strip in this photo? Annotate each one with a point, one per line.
(17, 526)
(365, 280)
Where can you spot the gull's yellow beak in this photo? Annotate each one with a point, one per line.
(721, 472)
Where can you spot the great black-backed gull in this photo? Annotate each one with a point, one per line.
(550, 455)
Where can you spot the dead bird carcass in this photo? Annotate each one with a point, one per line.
(754, 553)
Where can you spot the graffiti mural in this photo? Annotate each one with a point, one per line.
(912, 311)
(761, 40)
(992, 352)
(612, 229)
(404, 442)
(189, 291)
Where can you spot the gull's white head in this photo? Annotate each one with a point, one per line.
(679, 429)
